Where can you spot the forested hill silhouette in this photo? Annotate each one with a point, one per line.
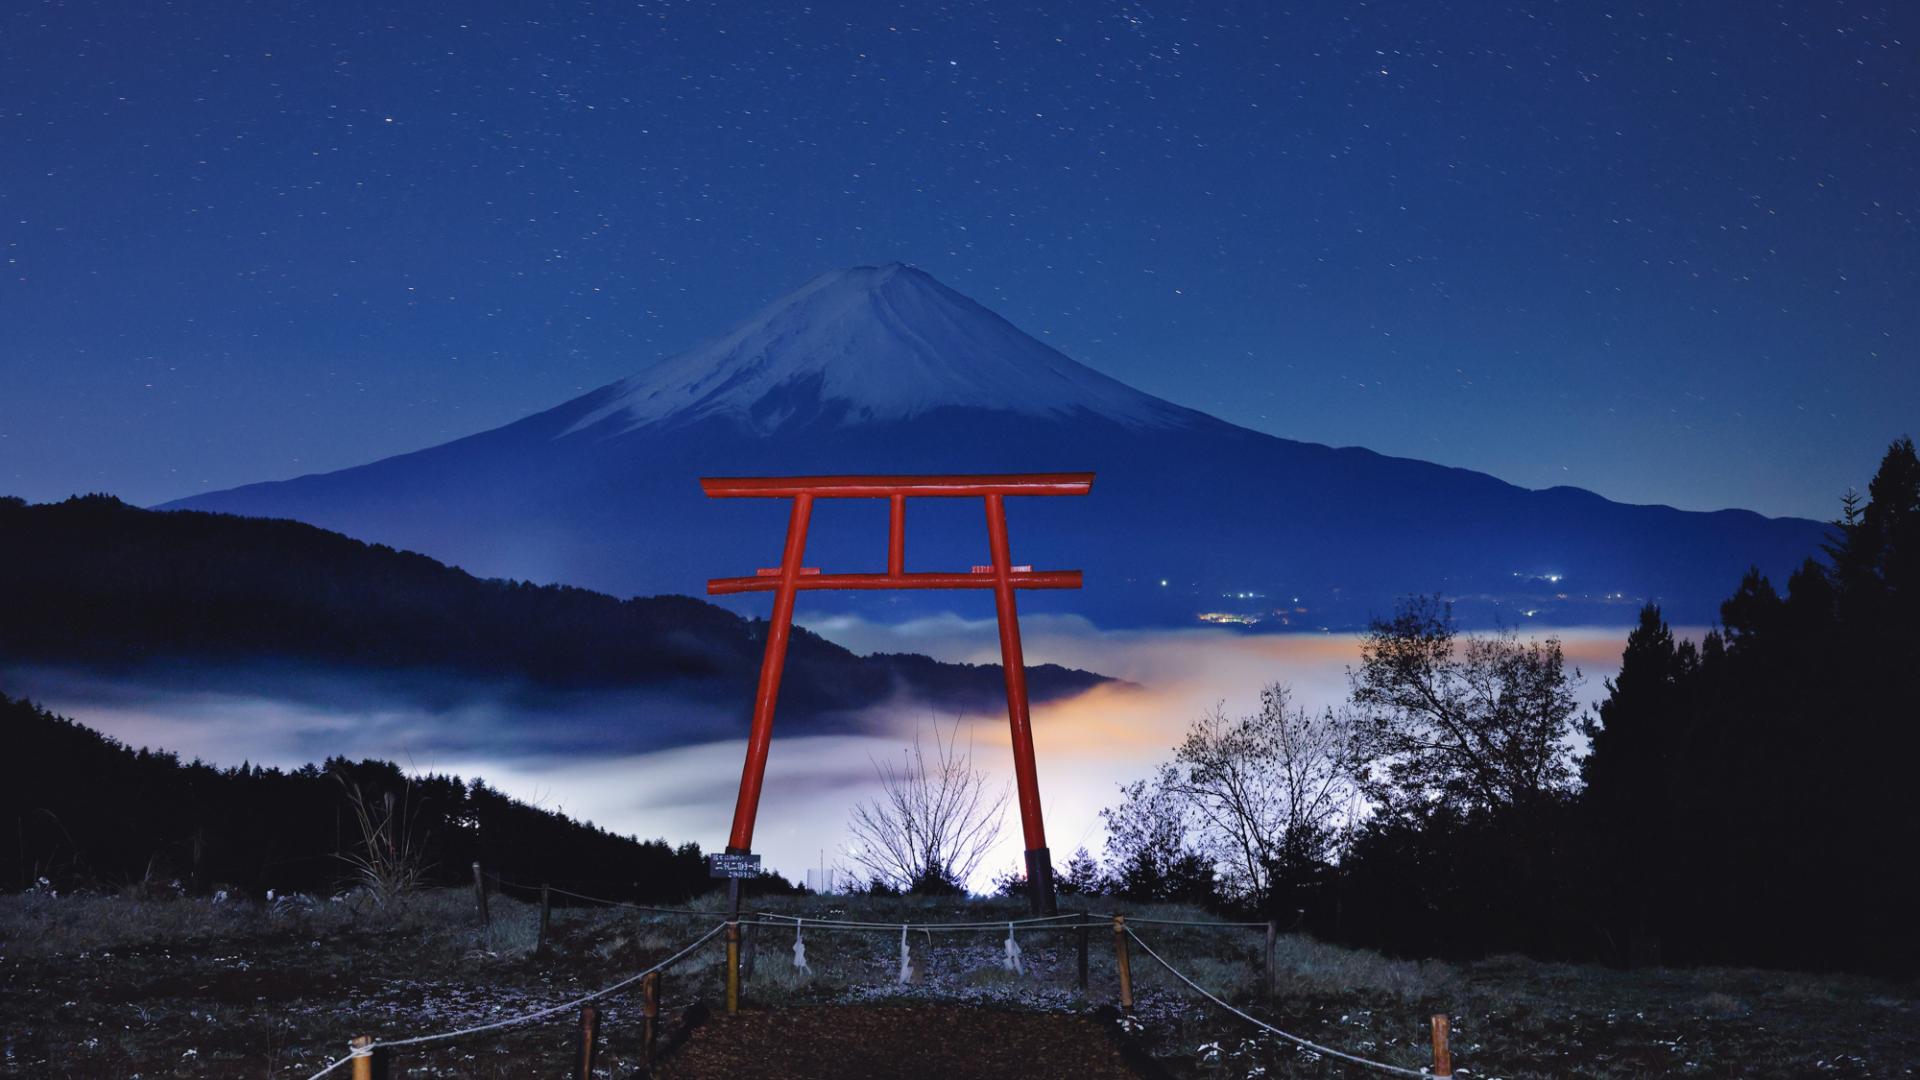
(96, 582)
(1755, 791)
(91, 812)
(1748, 797)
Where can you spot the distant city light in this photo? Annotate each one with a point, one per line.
(1225, 618)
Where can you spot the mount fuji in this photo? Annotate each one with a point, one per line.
(884, 369)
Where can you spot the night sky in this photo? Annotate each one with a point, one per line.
(1665, 251)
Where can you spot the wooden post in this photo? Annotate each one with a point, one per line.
(480, 894)
(733, 968)
(362, 1063)
(650, 1014)
(752, 936)
(1442, 1055)
(1126, 968)
(1272, 931)
(546, 918)
(1083, 935)
(589, 1026)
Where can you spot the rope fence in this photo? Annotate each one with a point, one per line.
(774, 918)
(1209, 923)
(558, 891)
(1080, 922)
(366, 1048)
(1307, 1044)
(858, 924)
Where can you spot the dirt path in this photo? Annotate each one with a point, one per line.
(924, 1042)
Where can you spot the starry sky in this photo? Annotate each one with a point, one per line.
(1663, 251)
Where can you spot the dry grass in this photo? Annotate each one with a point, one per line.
(41, 925)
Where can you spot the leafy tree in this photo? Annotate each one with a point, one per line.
(1635, 737)
(1476, 723)
(1149, 844)
(1461, 748)
(1265, 790)
(1878, 555)
(1083, 876)
(1635, 776)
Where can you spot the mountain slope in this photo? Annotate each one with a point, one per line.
(90, 811)
(885, 370)
(866, 345)
(103, 586)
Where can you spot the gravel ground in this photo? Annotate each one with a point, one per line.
(935, 1042)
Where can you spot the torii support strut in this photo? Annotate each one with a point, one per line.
(1000, 575)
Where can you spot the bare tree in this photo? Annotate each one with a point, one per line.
(1480, 723)
(1266, 788)
(933, 821)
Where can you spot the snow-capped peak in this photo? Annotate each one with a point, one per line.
(870, 344)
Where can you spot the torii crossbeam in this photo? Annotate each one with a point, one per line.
(1000, 575)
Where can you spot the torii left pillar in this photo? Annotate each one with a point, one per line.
(1000, 575)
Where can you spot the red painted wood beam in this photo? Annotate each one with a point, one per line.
(1030, 579)
(897, 535)
(1013, 665)
(772, 664)
(874, 487)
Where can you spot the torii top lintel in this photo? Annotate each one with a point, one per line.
(1000, 575)
(898, 489)
(877, 487)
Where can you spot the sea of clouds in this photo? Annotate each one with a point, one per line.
(666, 762)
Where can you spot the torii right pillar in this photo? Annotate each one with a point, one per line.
(1019, 718)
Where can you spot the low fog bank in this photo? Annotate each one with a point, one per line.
(289, 714)
(667, 763)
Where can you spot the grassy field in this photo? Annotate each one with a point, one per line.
(121, 987)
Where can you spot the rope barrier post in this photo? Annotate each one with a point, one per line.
(733, 968)
(650, 1014)
(546, 918)
(1120, 958)
(363, 1057)
(480, 894)
(1443, 1067)
(1083, 934)
(589, 1026)
(1442, 1055)
(369, 1058)
(1272, 932)
(753, 936)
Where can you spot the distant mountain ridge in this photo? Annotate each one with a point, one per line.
(97, 584)
(883, 369)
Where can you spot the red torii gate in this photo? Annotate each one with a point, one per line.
(1000, 575)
